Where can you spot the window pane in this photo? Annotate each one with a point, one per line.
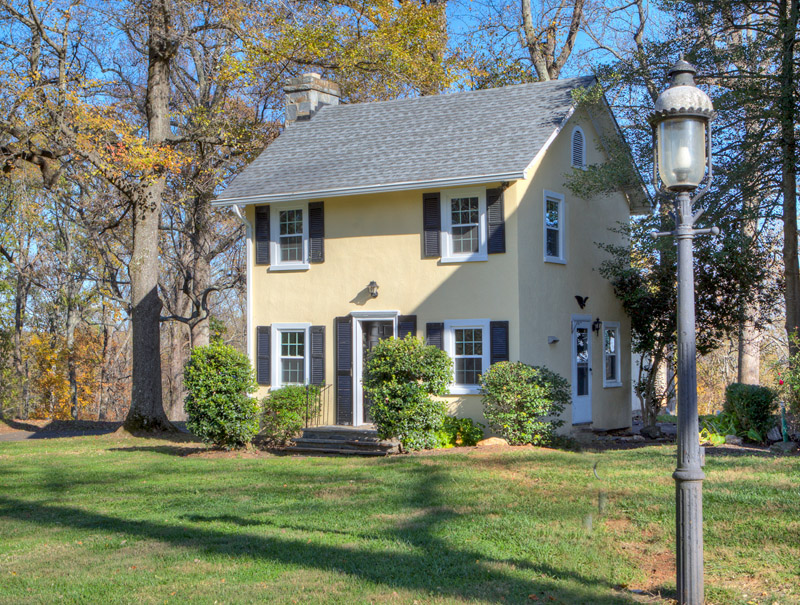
(611, 368)
(465, 239)
(552, 243)
(292, 371)
(464, 211)
(293, 344)
(469, 341)
(468, 370)
(292, 248)
(582, 345)
(291, 222)
(583, 380)
(552, 214)
(611, 341)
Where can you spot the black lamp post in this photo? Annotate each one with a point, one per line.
(682, 130)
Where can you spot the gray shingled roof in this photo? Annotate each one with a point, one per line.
(477, 136)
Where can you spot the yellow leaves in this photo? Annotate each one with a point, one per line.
(48, 358)
(119, 145)
(378, 49)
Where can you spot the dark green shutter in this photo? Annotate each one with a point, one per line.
(263, 356)
(499, 341)
(344, 370)
(262, 235)
(316, 232)
(434, 335)
(318, 355)
(496, 221)
(432, 224)
(406, 324)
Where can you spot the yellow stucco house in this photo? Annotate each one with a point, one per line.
(446, 217)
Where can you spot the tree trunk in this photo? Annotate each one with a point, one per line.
(72, 371)
(788, 21)
(21, 292)
(749, 350)
(147, 409)
(200, 330)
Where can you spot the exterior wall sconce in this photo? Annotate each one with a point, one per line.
(596, 326)
(373, 289)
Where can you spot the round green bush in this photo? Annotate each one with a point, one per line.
(285, 412)
(218, 379)
(753, 409)
(522, 402)
(400, 377)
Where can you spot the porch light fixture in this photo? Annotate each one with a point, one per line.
(596, 325)
(682, 160)
(373, 289)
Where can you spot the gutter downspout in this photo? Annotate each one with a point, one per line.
(237, 210)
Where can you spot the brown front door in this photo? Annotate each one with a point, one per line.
(374, 332)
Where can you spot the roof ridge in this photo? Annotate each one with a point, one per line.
(458, 93)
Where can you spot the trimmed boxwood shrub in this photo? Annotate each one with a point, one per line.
(218, 379)
(285, 412)
(522, 402)
(752, 408)
(400, 377)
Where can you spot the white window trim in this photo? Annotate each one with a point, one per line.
(582, 164)
(447, 225)
(612, 325)
(450, 349)
(562, 230)
(275, 354)
(274, 238)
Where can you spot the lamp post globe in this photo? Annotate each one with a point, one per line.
(681, 121)
(682, 161)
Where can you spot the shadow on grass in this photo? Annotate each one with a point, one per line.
(729, 452)
(434, 565)
(167, 450)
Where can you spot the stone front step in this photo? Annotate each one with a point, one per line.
(344, 440)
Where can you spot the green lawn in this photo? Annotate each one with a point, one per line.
(110, 520)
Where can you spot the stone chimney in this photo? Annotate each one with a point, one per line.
(306, 94)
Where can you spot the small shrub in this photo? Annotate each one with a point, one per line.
(218, 379)
(752, 408)
(522, 402)
(400, 377)
(285, 412)
(459, 431)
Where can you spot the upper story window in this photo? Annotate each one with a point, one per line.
(578, 148)
(289, 237)
(289, 355)
(464, 226)
(554, 228)
(611, 356)
(467, 343)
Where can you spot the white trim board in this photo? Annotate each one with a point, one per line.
(291, 196)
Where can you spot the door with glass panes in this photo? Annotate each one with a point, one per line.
(581, 371)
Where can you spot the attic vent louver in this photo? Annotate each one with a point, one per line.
(578, 148)
(307, 94)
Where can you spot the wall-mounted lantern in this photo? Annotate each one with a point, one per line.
(373, 289)
(596, 326)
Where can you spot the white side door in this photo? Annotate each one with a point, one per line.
(581, 371)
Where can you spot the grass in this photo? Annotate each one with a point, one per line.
(113, 520)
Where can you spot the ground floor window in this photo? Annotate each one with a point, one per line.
(290, 354)
(466, 341)
(611, 356)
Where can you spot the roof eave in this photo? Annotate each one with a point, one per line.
(295, 196)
